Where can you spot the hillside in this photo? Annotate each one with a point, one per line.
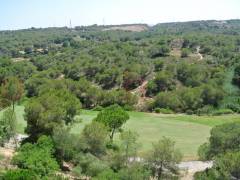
(187, 62)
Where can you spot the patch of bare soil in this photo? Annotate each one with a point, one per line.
(176, 52)
(199, 54)
(60, 77)
(140, 92)
(189, 168)
(20, 59)
(7, 155)
(132, 28)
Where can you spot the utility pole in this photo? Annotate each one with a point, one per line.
(70, 24)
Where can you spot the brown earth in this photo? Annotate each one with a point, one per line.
(132, 28)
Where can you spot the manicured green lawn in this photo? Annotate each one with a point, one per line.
(188, 131)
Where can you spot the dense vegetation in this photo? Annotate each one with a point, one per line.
(188, 68)
(185, 64)
(223, 148)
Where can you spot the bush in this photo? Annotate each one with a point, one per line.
(233, 106)
(107, 175)
(189, 112)
(96, 167)
(77, 171)
(163, 111)
(224, 138)
(98, 108)
(208, 174)
(222, 111)
(185, 52)
(206, 110)
(38, 157)
(203, 152)
(168, 100)
(19, 174)
(157, 110)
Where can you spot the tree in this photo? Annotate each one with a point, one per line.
(168, 100)
(158, 65)
(129, 145)
(162, 51)
(163, 82)
(185, 53)
(163, 159)
(8, 126)
(131, 80)
(37, 158)
(112, 117)
(66, 144)
(12, 90)
(89, 164)
(52, 109)
(224, 138)
(223, 147)
(225, 167)
(95, 136)
(236, 77)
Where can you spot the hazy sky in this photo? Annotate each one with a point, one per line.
(16, 14)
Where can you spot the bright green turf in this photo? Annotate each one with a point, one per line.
(188, 131)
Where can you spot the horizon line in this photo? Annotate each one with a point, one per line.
(148, 24)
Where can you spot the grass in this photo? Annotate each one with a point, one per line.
(188, 131)
(21, 124)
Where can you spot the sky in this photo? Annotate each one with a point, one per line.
(21, 14)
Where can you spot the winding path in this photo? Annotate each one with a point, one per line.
(199, 54)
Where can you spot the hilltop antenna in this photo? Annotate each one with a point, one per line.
(103, 21)
(70, 24)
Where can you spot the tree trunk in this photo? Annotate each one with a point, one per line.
(112, 134)
(13, 106)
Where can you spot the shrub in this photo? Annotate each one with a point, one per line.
(233, 106)
(38, 157)
(203, 152)
(107, 175)
(19, 174)
(224, 138)
(77, 171)
(98, 108)
(163, 111)
(168, 100)
(189, 112)
(185, 52)
(206, 110)
(96, 167)
(222, 111)
(157, 110)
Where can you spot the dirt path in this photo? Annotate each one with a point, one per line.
(199, 54)
(7, 154)
(141, 90)
(189, 168)
(20, 59)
